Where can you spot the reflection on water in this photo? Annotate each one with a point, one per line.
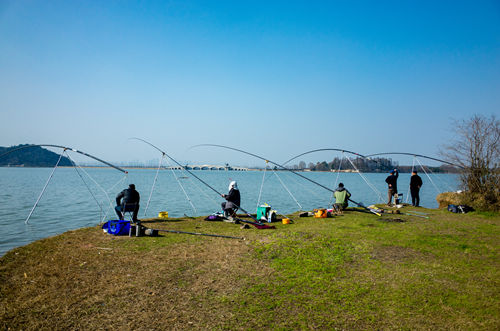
(70, 203)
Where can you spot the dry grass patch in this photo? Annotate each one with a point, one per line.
(396, 254)
(88, 280)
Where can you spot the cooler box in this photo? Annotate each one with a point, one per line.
(263, 212)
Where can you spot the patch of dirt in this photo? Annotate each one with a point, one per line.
(395, 254)
(394, 220)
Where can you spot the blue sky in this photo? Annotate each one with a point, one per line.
(271, 77)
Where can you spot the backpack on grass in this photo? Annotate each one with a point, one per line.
(460, 209)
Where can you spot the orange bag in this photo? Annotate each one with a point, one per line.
(321, 213)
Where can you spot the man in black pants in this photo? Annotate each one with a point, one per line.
(392, 182)
(415, 185)
(130, 202)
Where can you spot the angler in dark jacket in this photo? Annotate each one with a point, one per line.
(233, 200)
(128, 200)
(415, 185)
(392, 182)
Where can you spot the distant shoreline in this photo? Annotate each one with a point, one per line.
(246, 169)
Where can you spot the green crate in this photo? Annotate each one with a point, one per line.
(263, 211)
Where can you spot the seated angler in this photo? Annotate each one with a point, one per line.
(233, 201)
(130, 202)
(342, 196)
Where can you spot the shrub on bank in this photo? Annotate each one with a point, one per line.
(489, 201)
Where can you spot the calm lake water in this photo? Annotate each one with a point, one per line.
(70, 202)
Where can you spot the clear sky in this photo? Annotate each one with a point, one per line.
(272, 77)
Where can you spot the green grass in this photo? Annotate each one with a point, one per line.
(356, 271)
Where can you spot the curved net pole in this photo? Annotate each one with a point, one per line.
(412, 168)
(262, 185)
(44, 188)
(154, 183)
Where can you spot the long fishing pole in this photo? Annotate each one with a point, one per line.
(276, 164)
(361, 205)
(328, 149)
(192, 174)
(343, 151)
(412, 154)
(64, 148)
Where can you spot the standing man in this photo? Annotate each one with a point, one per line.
(130, 202)
(415, 185)
(392, 182)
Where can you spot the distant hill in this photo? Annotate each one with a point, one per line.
(30, 157)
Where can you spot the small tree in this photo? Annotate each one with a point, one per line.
(476, 148)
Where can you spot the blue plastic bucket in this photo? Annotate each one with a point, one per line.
(117, 227)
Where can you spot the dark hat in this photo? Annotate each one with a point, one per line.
(132, 186)
(341, 184)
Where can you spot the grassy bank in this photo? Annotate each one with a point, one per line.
(356, 271)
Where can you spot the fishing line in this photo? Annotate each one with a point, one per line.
(261, 185)
(439, 179)
(317, 195)
(153, 186)
(423, 168)
(337, 177)
(366, 181)
(99, 186)
(182, 188)
(409, 185)
(118, 182)
(201, 190)
(87, 186)
(286, 188)
(44, 188)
